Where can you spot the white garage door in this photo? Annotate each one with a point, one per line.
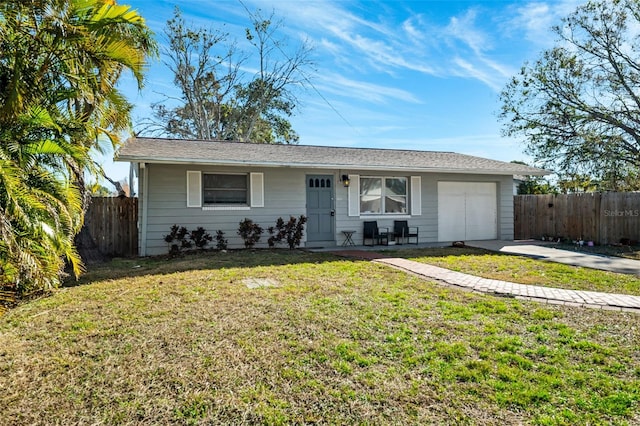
(467, 211)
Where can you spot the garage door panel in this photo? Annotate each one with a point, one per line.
(451, 217)
(481, 226)
(481, 212)
(467, 211)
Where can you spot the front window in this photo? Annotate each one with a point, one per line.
(383, 195)
(395, 195)
(224, 189)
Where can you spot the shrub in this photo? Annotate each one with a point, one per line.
(291, 232)
(221, 241)
(200, 237)
(180, 239)
(276, 233)
(250, 232)
(177, 239)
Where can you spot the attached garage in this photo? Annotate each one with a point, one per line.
(467, 211)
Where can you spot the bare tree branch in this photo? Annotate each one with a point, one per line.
(217, 101)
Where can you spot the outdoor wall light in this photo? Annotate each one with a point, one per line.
(345, 180)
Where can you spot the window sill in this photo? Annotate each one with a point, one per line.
(385, 216)
(225, 208)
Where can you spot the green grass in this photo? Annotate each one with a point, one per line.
(337, 342)
(523, 270)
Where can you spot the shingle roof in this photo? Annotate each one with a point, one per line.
(177, 151)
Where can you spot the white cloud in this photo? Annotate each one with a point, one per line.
(382, 55)
(355, 41)
(365, 91)
(473, 51)
(535, 19)
(352, 40)
(464, 28)
(413, 44)
(412, 30)
(472, 70)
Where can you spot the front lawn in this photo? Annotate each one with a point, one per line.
(333, 341)
(523, 270)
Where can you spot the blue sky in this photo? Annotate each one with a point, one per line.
(400, 74)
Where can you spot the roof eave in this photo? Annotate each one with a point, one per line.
(186, 161)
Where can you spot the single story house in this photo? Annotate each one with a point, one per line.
(216, 184)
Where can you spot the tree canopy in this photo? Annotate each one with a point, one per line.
(59, 66)
(219, 101)
(578, 105)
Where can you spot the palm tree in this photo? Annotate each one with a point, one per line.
(59, 104)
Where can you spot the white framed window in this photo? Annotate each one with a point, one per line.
(225, 189)
(383, 195)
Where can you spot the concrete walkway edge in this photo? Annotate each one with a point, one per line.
(549, 252)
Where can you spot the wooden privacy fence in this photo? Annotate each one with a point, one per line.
(604, 218)
(112, 224)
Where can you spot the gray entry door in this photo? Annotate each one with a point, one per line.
(320, 213)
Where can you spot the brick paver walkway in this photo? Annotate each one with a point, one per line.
(591, 299)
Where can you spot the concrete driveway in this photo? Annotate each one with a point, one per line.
(546, 251)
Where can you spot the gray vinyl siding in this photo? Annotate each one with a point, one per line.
(141, 206)
(285, 195)
(505, 208)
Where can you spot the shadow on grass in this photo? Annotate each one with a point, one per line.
(119, 268)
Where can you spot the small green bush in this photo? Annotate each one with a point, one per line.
(180, 239)
(177, 239)
(250, 232)
(200, 237)
(291, 232)
(221, 241)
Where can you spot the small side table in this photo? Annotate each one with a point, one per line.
(348, 238)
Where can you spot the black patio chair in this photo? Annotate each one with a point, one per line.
(375, 234)
(402, 230)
